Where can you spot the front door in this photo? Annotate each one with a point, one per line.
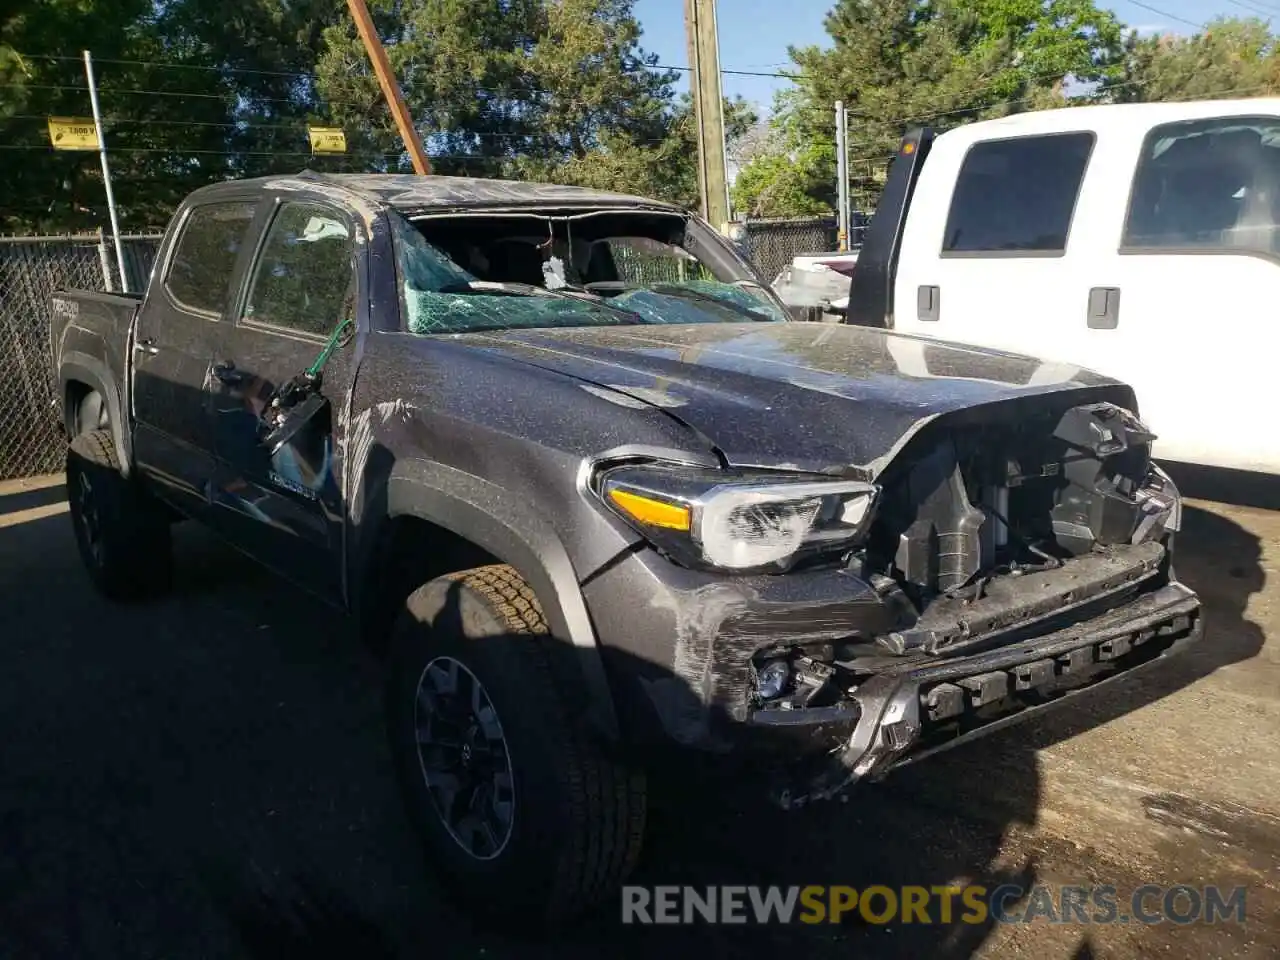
(178, 331)
(285, 506)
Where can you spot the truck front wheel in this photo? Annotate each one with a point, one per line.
(122, 534)
(519, 809)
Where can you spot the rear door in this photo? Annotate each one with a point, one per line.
(988, 254)
(1193, 253)
(178, 330)
(286, 509)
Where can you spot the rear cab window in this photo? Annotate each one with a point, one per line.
(1016, 197)
(198, 278)
(1207, 186)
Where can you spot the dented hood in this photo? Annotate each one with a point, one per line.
(808, 396)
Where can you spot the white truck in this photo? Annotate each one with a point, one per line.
(1138, 240)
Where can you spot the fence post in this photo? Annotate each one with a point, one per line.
(104, 261)
(106, 169)
(842, 177)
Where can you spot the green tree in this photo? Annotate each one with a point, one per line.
(1230, 58)
(665, 168)
(558, 89)
(192, 91)
(195, 91)
(899, 63)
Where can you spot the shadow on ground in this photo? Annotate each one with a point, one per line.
(32, 498)
(1240, 487)
(207, 776)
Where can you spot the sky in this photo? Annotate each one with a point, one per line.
(755, 34)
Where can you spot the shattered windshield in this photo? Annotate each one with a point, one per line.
(475, 274)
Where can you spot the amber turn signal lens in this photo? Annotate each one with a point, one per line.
(654, 513)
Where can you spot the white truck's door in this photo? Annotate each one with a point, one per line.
(1190, 259)
(989, 254)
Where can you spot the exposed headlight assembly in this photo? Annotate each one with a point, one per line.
(738, 522)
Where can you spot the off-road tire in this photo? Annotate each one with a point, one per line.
(578, 819)
(125, 543)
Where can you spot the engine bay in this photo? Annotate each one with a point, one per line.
(988, 535)
(1018, 498)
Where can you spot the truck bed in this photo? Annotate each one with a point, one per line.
(89, 341)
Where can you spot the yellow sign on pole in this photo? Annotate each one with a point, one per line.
(73, 133)
(327, 139)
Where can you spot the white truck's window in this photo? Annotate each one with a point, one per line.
(1208, 185)
(200, 270)
(304, 277)
(1015, 197)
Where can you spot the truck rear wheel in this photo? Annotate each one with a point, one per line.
(122, 534)
(519, 809)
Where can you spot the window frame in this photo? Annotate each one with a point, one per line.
(180, 235)
(1055, 253)
(1126, 249)
(271, 216)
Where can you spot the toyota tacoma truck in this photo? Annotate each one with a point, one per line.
(594, 495)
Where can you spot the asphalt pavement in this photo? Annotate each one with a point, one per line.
(206, 777)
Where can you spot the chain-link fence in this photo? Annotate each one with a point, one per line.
(772, 244)
(31, 268)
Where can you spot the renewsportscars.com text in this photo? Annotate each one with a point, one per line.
(974, 904)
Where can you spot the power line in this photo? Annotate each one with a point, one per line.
(737, 73)
(1231, 92)
(1165, 13)
(1255, 9)
(974, 108)
(162, 93)
(182, 152)
(243, 126)
(315, 76)
(168, 66)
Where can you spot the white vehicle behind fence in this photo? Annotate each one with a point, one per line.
(1142, 241)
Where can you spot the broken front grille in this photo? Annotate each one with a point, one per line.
(968, 701)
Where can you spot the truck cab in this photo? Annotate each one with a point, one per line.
(1137, 240)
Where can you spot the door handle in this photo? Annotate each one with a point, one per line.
(146, 345)
(928, 303)
(1104, 308)
(226, 372)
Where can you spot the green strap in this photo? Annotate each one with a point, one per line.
(330, 345)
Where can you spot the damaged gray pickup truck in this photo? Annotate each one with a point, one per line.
(565, 458)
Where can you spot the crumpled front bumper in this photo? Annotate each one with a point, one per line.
(927, 705)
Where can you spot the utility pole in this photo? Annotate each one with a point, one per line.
(842, 167)
(708, 109)
(390, 89)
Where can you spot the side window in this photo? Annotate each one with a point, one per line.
(304, 278)
(201, 267)
(1017, 196)
(1207, 185)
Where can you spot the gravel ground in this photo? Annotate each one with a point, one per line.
(206, 777)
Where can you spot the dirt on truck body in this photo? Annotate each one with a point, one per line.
(567, 461)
